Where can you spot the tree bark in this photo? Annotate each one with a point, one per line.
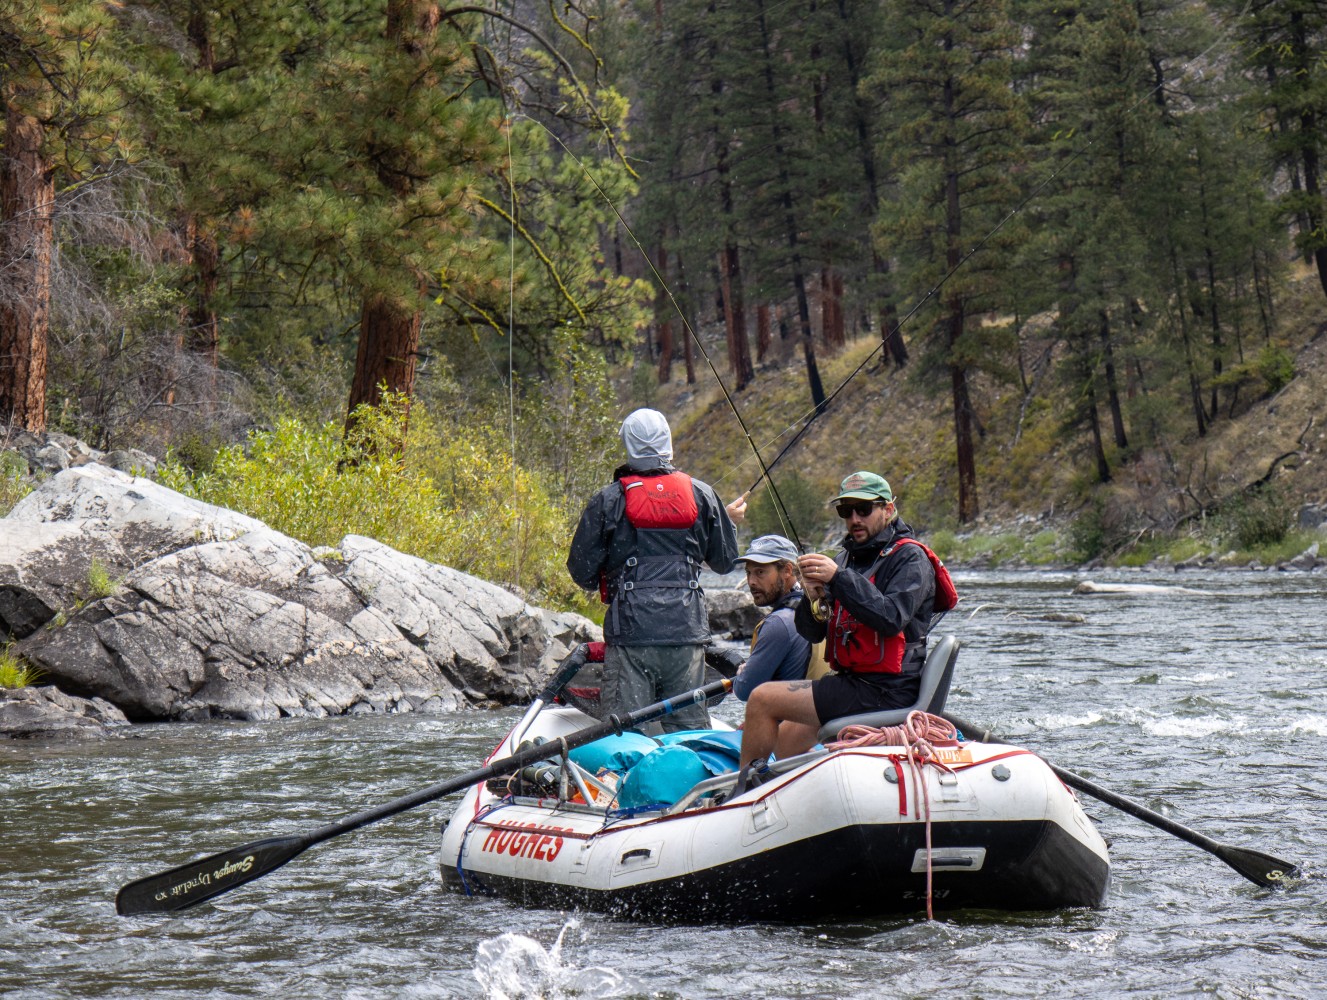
(739, 347)
(955, 321)
(664, 317)
(1112, 383)
(27, 209)
(388, 349)
(762, 331)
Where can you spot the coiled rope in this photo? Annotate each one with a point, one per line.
(919, 735)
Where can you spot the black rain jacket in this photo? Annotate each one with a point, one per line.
(654, 616)
(901, 600)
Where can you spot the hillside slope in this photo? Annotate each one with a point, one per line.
(1029, 468)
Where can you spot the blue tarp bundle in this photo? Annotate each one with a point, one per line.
(661, 770)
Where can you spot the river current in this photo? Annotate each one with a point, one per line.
(1208, 706)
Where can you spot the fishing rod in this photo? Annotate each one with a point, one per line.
(781, 510)
(765, 469)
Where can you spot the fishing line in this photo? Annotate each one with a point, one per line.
(511, 353)
(781, 510)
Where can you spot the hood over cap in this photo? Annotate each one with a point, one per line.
(648, 440)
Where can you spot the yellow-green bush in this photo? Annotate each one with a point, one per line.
(15, 671)
(445, 491)
(14, 481)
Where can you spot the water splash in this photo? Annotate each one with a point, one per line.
(516, 967)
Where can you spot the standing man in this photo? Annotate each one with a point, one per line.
(778, 652)
(873, 604)
(641, 540)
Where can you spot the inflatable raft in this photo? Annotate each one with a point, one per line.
(850, 831)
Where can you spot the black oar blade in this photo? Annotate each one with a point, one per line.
(1259, 868)
(200, 880)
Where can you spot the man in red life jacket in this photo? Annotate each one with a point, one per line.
(642, 540)
(872, 604)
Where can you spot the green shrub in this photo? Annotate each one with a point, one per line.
(447, 492)
(15, 671)
(1267, 372)
(100, 583)
(1259, 518)
(14, 481)
(1088, 535)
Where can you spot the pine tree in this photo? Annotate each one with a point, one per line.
(1283, 42)
(61, 88)
(955, 141)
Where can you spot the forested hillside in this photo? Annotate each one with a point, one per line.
(398, 249)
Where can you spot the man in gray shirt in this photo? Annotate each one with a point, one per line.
(778, 652)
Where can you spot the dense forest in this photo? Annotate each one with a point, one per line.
(326, 251)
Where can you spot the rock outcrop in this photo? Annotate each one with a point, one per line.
(118, 588)
(47, 712)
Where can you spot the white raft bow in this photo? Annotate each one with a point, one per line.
(850, 830)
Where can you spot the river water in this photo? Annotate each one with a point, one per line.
(1210, 707)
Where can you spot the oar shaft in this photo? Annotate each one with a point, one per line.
(1261, 869)
(204, 878)
(1133, 808)
(532, 754)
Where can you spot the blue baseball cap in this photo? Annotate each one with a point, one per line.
(770, 549)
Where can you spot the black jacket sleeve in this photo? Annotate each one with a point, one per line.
(808, 626)
(904, 590)
(589, 546)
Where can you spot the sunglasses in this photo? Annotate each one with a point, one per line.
(862, 508)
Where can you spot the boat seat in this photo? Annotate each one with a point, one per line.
(937, 672)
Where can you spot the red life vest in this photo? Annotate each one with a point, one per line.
(663, 510)
(660, 501)
(859, 648)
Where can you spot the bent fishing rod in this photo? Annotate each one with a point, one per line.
(781, 509)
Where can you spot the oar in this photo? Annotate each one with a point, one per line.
(1259, 868)
(200, 880)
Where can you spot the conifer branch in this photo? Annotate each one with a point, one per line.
(530, 240)
(562, 61)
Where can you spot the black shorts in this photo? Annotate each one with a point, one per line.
(840, 694)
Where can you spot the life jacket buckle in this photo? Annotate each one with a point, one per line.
(629, 585)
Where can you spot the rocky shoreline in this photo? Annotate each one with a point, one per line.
(151, 606)
(135, 603)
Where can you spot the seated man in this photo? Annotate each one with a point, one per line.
(778, 652)
(873, 603)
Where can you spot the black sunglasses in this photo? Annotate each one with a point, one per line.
(862, 508)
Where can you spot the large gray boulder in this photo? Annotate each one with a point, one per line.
(213, 614)
(46, 712)
(732, 612)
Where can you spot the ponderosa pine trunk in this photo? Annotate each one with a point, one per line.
(388, 349)
(389, 328)
(739, 346)
(955, 320)
(27, 210)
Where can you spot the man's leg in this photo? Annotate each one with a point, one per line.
(677, 669)
(626, 686)
(795, 738)
(769, 705)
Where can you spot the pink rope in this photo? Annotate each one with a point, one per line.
(920, 734)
